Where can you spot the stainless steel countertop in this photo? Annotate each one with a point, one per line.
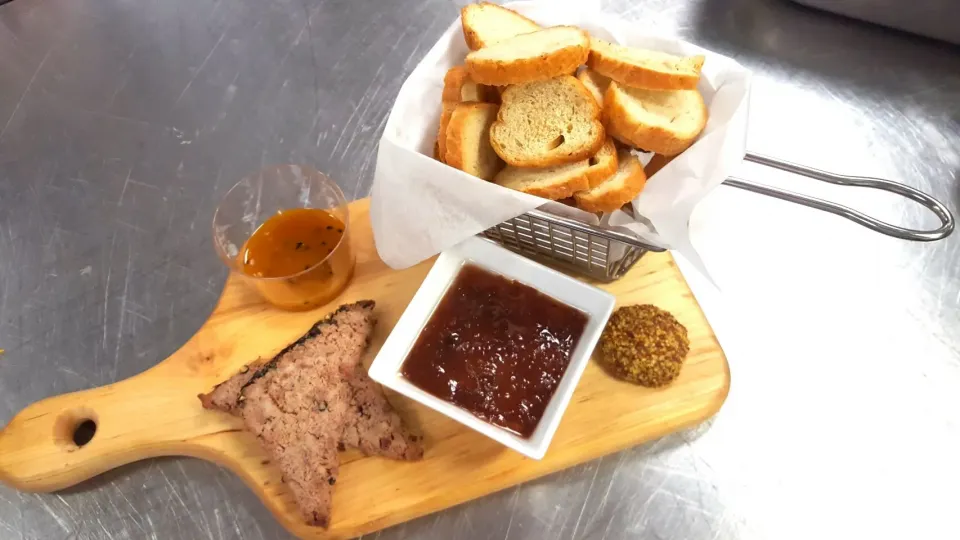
(121, 123)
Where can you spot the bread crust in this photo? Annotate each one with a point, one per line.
(581, 176)
(454, 155)
(561, 190)
(446, 112)
(596, 174)
(637, 76)
(612, 200)
(530, 69)
(646, 137)
(456, 151)
(472, 36)
(454, 83)
(585, 76)
(549, 160)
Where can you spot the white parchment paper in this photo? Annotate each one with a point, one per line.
(420, 207)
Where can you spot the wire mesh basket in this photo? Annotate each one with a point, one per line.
(597, 253)
(606, 255)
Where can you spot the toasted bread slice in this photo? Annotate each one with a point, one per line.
(486, 24)
(552, 183)
(641, 68)
(468, 140)
(459, 87)
(547, 123)
(536, 56)
(617, 190)
(665, 122)
(602, 164)
(445, 113)
(594, 82)
(562, 181)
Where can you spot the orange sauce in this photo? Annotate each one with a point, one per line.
(298, 257)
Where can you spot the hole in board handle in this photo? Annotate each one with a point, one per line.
(84, 432)
(75, 429)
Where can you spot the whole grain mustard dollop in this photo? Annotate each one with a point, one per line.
(645, 345)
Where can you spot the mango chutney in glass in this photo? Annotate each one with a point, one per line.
(297, 258)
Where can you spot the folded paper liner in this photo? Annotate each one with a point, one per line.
(421, 207)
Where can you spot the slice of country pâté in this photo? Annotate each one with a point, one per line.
(313, 399)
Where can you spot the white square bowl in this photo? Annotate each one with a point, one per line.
(595, 303)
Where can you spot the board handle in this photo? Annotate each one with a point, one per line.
(61, 441)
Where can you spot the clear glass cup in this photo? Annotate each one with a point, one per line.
(262, 195)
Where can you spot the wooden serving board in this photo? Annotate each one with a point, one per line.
(156, 413)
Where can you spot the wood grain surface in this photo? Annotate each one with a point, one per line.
(156, 413)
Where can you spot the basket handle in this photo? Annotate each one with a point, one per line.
(928, 202)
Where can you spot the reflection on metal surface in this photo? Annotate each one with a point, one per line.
(122, 123)
(932, 18)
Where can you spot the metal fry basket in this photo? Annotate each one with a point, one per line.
(606, 255)
(585, 249)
